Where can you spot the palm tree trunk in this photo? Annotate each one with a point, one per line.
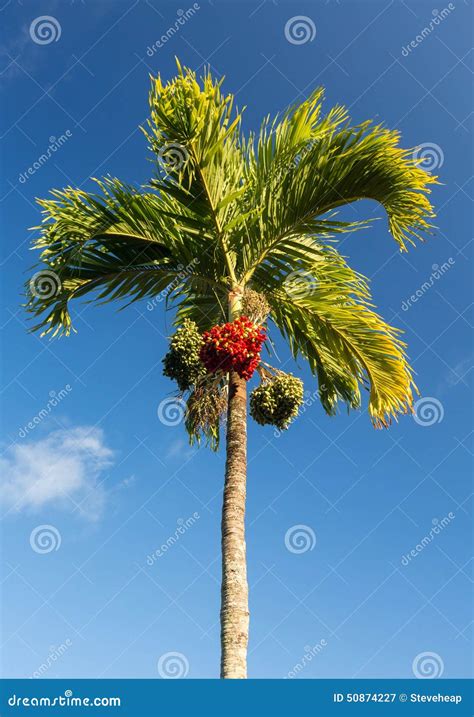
(234, 593)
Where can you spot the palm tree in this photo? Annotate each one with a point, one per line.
(226, 217)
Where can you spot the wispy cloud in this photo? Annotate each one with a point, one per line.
(179, 449)
(62, 470)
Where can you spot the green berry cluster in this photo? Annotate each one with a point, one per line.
(182, 362)
(277, 401)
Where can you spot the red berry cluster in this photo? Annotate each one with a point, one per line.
(233, 346)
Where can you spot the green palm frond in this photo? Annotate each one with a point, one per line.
(119, 243)
(308, 166)
(327, 317)
(200, 127)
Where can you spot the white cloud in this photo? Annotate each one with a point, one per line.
(180, 449)
(62, 470)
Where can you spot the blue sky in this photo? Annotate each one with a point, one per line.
(113, 483)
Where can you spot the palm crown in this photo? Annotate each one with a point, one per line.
(225, 213)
